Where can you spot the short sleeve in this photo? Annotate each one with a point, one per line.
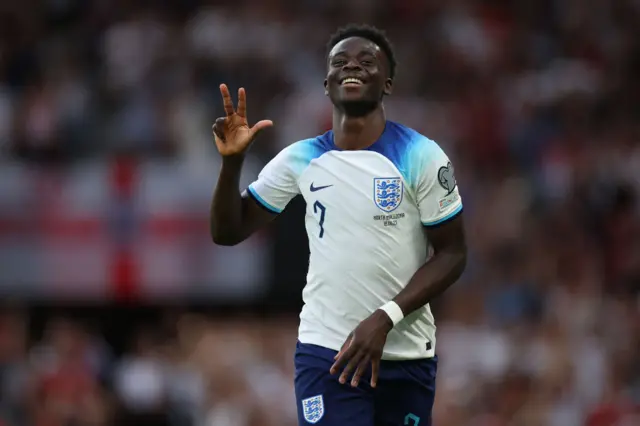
(437, 190)
(277, 183)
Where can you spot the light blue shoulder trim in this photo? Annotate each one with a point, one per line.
(302, 152)
(259, 199)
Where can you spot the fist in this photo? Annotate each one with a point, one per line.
(232, 133)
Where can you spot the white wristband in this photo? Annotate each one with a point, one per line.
(393, 310)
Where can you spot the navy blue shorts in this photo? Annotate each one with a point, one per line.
(404, 394)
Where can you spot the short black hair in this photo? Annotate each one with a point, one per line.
(370, 33)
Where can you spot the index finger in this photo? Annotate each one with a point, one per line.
(226, 100)
(343, 358)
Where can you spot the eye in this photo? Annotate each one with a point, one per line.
(339, 62)
(366, 62)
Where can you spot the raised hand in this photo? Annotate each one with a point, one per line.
(232, 133)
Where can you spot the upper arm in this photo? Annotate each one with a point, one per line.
(254, 214)
(448, 236)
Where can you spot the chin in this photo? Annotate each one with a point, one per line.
(344, 98)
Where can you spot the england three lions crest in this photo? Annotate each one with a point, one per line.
(387, 193)
(313, 409)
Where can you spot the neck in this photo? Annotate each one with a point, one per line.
(353, 133)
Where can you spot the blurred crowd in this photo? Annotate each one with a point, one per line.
(537, 103)
(184, 371)
(193, 370)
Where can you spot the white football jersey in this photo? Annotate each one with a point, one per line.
(366, 211)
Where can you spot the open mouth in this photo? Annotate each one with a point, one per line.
(351, 81)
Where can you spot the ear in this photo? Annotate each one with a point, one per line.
(388, 87)
(326, 87)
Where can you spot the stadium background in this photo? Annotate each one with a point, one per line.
(118, 310)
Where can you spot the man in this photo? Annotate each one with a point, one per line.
(378, 194)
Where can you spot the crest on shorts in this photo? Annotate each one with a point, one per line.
(387, 193)
(446, 178)
(313, 409)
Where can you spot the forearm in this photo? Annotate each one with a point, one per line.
(433, 278)
(226, 215)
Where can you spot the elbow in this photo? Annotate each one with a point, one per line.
(460, 262)
(223, 241)
(456, 260)
(222, 238)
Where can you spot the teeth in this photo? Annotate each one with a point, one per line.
(351, 81)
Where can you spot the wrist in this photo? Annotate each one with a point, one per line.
(393, 312)
(235, 160)
(383, 321)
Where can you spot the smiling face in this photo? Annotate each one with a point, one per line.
(357, 76)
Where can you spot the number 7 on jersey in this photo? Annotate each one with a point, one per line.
(317, 206)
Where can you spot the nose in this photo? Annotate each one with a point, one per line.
(351, 65)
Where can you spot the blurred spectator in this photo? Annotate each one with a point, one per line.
(139, 378)
(67, 390)
(15, 380)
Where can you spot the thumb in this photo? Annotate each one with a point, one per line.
(259, 126)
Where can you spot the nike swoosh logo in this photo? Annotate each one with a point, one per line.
(317, 188)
